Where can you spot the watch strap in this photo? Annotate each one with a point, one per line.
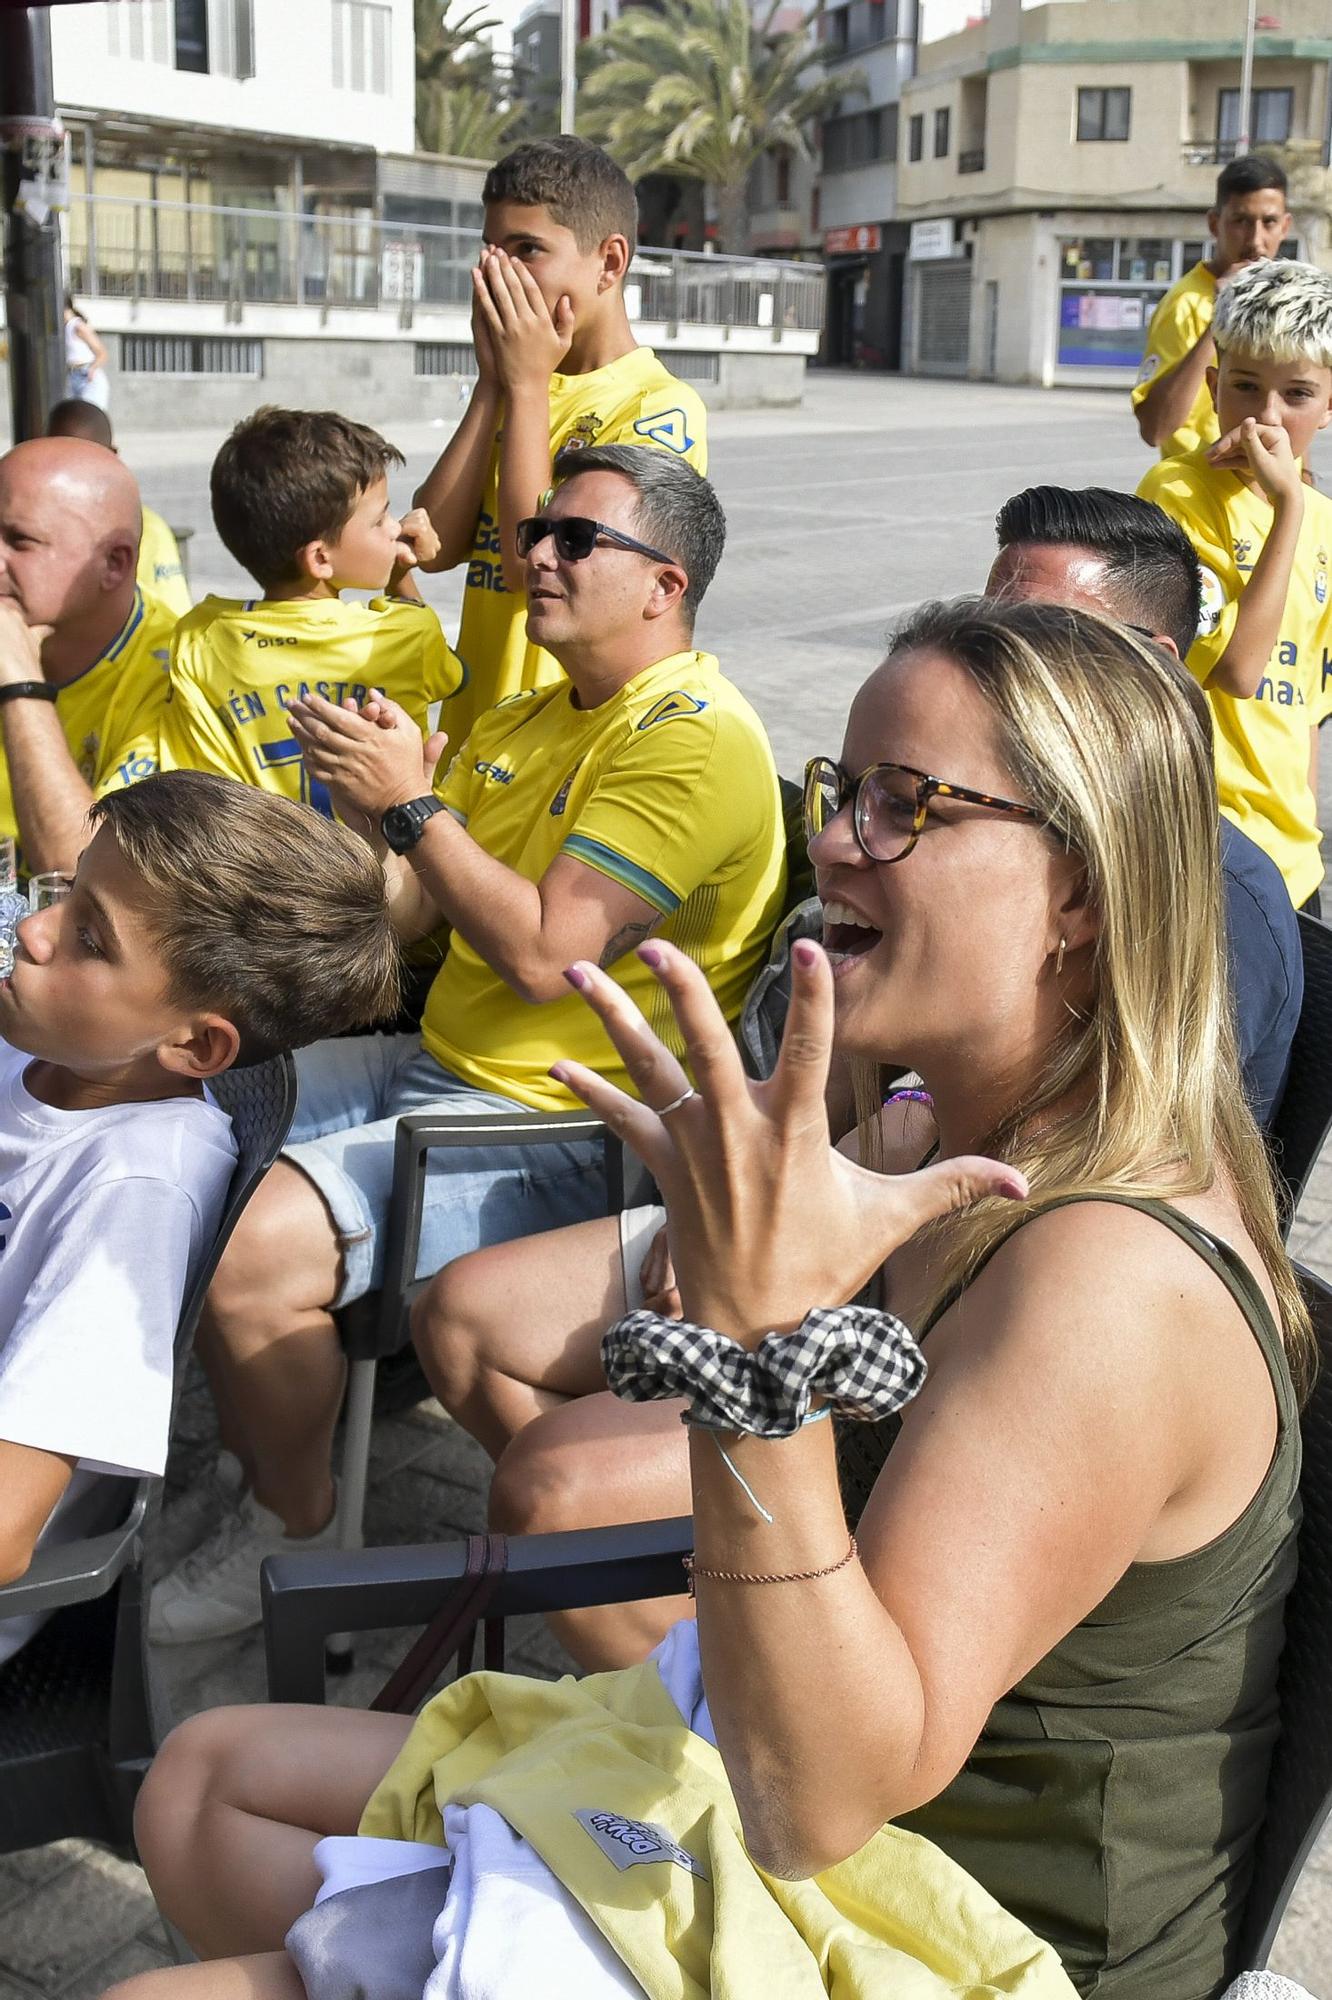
(28, 691)
(403, 825)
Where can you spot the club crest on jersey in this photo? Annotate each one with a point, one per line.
(668, 427)
(586, 431)
(669, 707)
(561, 798)
(1320, 576)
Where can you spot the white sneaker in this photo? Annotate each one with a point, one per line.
(215, 1591)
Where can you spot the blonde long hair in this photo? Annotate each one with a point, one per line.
(1107, 744)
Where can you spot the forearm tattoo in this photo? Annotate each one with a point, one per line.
(624, 940)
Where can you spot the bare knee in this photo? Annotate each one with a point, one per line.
(457, 1324)
(541, 1486)
(283, 1255)
(188, 1773)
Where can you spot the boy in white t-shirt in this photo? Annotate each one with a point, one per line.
(209, 924)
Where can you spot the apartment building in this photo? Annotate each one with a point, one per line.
(241, 102)
(1057, 163)
(872, 44)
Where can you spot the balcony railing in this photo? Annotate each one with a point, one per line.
(236, 257)
(972, 161)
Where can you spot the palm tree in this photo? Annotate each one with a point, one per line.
(698, 89)
(456, 81)
(463, 119)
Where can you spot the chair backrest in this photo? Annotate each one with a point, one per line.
(1304, 1116)
(261, 1102)
(1299, 1792)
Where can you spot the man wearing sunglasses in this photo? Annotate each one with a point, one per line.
(637, 797)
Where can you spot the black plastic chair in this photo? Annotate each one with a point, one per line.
(374, 1327)
(1299, 1790)
(78, 1723)
(307, 1597)
(1303, 1118)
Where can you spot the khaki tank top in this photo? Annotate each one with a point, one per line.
(1115, 1794)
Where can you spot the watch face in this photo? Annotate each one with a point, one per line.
(402, 826)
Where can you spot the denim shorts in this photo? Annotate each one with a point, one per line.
(352, 1093)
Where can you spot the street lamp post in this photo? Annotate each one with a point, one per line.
(28, 134)
(568, 51)
(1246, 82)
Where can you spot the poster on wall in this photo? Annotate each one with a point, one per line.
(1102, 329)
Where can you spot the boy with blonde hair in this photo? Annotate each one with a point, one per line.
(557, 367)
(300, 499)
(1264, 540)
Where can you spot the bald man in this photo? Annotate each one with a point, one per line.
(83, 651)
(161, 571)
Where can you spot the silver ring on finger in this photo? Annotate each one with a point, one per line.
(676, 1102)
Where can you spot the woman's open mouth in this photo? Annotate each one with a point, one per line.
(846, 935)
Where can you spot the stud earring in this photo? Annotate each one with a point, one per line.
(1059, 956)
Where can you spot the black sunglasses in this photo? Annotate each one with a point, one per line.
(575, 537)
(890, 804)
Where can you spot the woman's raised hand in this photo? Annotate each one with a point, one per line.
(767, 1219)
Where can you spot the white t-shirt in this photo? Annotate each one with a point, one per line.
(102, 1216)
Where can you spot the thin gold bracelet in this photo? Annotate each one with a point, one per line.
(692, 1570)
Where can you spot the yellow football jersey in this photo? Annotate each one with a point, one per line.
(237, 665)
(1263, 743)
(635, 400)
(110, 713)
(1178, 324)
(669, 788)
(161, 570)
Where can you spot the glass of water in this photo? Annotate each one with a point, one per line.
(13, 905)
(43, 890)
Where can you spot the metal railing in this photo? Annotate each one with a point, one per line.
(186, 252)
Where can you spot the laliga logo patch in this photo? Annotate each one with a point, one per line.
(669, 707)
(633, 1843)
(1150, 364)
(1213, 603)
(669, 427)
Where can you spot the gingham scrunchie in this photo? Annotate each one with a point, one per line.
(864, 1363)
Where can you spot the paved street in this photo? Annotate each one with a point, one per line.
(876, 494)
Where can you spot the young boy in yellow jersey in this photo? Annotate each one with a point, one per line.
(1264, 540)
(1171, 398)
(83, 651)
(300, 499)
(161, 571)
(557, 365)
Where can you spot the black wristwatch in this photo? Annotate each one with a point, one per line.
(402, 826)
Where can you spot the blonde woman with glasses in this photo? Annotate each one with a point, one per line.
(1051, 1644)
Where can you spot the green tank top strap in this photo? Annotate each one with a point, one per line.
(1215, 1252)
